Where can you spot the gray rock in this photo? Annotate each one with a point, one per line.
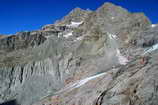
(86, 58)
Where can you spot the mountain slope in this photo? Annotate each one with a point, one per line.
(63, 63)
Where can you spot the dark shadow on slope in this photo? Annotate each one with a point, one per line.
(12, 102)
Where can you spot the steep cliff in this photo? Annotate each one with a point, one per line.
(102, 57)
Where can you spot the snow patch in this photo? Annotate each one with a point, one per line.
(75, 24)
(153, 48)
(153, 25)
(78, 38)
(59, 35)
(68, 34)
(48, 36)
(112, 36)
(122, 60)
(82, 82)
(112, 17)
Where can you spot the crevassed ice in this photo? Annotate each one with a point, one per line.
(153, 48)
(68, 34)
(75, 24)
(122, 60)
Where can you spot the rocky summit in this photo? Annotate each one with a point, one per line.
(103, 57)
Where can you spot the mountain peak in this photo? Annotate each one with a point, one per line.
(77, 9)
(107, 6)
(84, 54)
(75, 15)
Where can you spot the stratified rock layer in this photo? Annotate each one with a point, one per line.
(102, 57)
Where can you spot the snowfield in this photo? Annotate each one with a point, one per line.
(75, 24)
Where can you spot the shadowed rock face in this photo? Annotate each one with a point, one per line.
(22, 40)
(87, 58)
(13, 102)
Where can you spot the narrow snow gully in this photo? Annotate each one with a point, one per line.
(153, 25)
(114, 45)
(122, 60)
(151, 49)
(81, 82)
(77, 84)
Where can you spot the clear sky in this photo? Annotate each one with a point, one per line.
(25, 15)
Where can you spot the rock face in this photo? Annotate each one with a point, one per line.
(103, 57)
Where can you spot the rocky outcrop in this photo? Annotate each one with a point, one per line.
(87, 58)
(132, 84)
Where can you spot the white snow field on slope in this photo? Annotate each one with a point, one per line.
(153, 25)
(113, 40)
(79, 38)
(153, 48)
(112, 36)
(82, 82)
(75, 24)
(68, 34)
(122, 60)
